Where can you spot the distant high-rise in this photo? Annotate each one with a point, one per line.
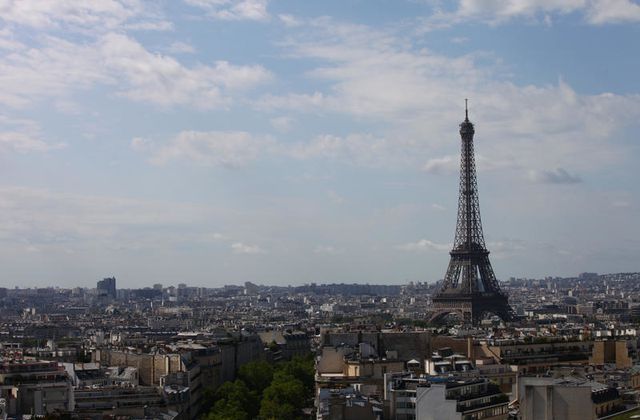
(107, 286)
(470, 288)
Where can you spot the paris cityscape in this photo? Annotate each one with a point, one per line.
(284, 210)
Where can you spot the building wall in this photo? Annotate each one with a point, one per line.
(210, 364)
(150, 366)
(408, 345)
(610, 351)
(373, 369)
(331, 361)
(234, 354)
(431, 404)
(458, 345)
(249, 349)
(622, 355)
(330, 338)
(541, 399)
(341, 410)
(45, 398)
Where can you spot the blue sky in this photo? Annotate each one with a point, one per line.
(284, 142)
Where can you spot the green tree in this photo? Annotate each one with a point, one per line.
(302, 369)
(278, 393)
(257, 375)
(273, 410)
(273, 346)
(283, 399)
(234, 400)
(227, 410)
(208, 399)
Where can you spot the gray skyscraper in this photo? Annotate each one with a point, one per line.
(107, 287)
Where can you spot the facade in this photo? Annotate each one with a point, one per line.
(400, 395)
(151, 366)
(339, 368)
(410, 397)
(461, 400)
(92, 375)
(382, 344)
(615, 352)
(445, 361)
(346, 404)
(539, 356)
(117, 401)
(570, 398)
(35, 387)
(363, 358)
(287, 345)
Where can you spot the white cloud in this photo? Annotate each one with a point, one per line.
(23, 136)
(53, 66)
(438, 207)
(212, 148)
(242, 248)
(238, 148)
(164, 81)
(424, 245)
(33, 73)
(162, 25)
(620, 204)
(233, 9)
(59, 68)
(8, 41)
(290, 20)
(141, 144)
(23, 142)
(334, 197)
(459, 40)
(419, 95)
(499, 11)
(87, 16)
(327, 250)
(613, 11)
(68, 106)
(179, 47)
(555, 176)
(356, 148)
(413, 91)
(282, 124)
(77, 218)
(506, 248)
(450, 164)
(293, 101)
(505, 9)
(444, 165)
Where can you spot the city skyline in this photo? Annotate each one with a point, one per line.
(214, 142)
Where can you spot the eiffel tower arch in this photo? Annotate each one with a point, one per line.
(470, 288)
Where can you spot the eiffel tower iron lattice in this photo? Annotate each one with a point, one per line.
(470, 287)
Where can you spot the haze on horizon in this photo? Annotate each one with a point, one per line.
(213, 142)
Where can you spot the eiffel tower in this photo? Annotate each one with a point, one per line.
(470, 288)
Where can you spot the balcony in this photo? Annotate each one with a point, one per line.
(497, 400)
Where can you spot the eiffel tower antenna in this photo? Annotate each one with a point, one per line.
(466, 110)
